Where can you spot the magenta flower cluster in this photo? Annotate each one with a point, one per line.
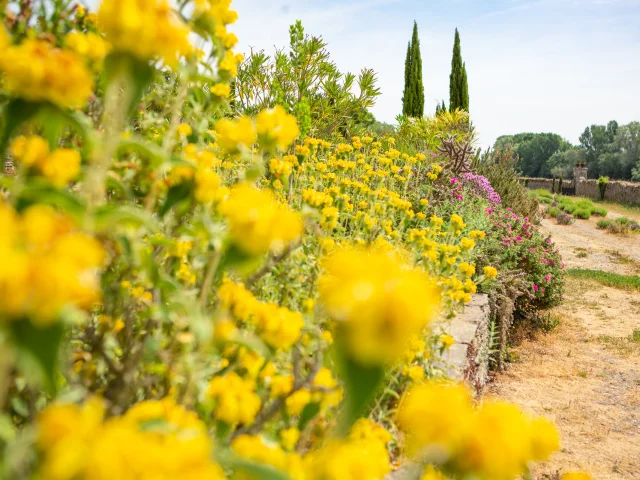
(478, 185)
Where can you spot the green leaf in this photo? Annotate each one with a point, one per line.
(360, 384)
(15, 114)
(42, 344)
(43, 193)
(82, 125)
(255, 470)
(108, 218)
(308, 413)
(175, 195)
(138, 73)
(137, 144)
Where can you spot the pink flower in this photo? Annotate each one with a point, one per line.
(459, 197)
(549, 240)
(547, 278)
(535, 287)
(453, 180)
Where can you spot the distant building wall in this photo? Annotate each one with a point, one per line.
(617, 191)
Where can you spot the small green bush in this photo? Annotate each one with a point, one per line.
(604, 223)
(622, 220)
(582, 213)
(599, 212)
(634, 226)
(568, 207)
(553, 211)
(585, 204)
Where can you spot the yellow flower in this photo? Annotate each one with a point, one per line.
(467, 269)
(37, 71)
(296, 402)
(430, 473)
(545, 438)
(32, 150)
(576, 476)
(254, 448)
(89, 45)
(118, 326)
(415, 373)
(230, 63)
(184, 130)
(457, 222)
(362, 459)
(308, 305)
(289, 438)
(467, 244)
(278, 326)
(208, 186)
(366, 429)
(232, 135)
(372, 296)
(258, 223)
(434, 414)
(276, 127)
(477, 234)
(447, 341)
(221, 90)
(490, 272)
(147, 30)
(61, 166)
(281, 385)
(235, 398)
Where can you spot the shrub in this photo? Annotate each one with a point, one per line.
(604, 223)
(602, 186)
(622, 220)
(599, 212)
(582, 213)
(568, 207)
(584, 204)
(634, 226)
(553, 211)
(564, 219)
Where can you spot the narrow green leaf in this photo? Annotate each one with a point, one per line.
(108, 218)
(43, 193)
(175, 195)
(255, 470)
(41, 343)
(15, 114)
(308, 413)
(137, 144)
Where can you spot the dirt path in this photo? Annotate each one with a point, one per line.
(585, 375)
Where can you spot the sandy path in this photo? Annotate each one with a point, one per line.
(585, 375)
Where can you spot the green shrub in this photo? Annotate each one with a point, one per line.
(604, 223)
(582, 213)
(553, 211)
(622, 220)
(599, 212)
(634, 226)
(585, 204)
(568, 207)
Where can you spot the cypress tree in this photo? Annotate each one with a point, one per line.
(416, 75)
(406, 94)
(443, 108)
(413, 95)
(456, 77)
(437, 108)
(465, 89)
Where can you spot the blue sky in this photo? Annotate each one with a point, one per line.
(537, 65)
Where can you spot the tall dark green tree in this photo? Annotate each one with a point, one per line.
(458, 85)
(413, 95)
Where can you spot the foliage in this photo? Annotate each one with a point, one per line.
(602, 186)
(533, 151)
(604, 223)
(498, 166)
(308, 84)
(565, 219)
(553, 211)
(413, 93)
(458, 86)
(582, 213)
(426, 134)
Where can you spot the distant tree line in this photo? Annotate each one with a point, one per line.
(611, 150)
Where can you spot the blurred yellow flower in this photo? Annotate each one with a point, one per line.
(373, 297)
(235, 399)
(276, 127)
(38, 72)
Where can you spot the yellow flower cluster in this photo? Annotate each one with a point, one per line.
(276, 128)
(37, 71)
(236, 400)
(278, 326)
(373, 298)
(495, 441)
(87, 45)
(153, 440)
(234, 135)
(256, 449)
(258, 223)
(60, 166)
(490, 272)
(47, 265)
(146, 29)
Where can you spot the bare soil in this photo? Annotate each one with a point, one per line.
(585, 375)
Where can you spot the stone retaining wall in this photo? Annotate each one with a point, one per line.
(617, 191)
(468, 359)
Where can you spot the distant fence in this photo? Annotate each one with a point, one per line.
(617, 191)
